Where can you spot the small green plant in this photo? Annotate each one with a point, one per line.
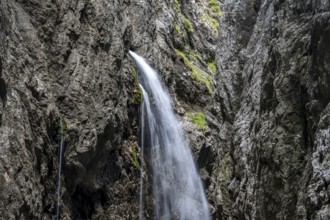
(134, 157)
(63, 127)
(198, 119)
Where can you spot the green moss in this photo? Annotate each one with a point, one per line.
(216, 10)
(212, 66)
(202, 77)
(213, 2)
(198, 119)
(134, 73)
(176, 2)
(225, 171)
(136, 93)
(176, 27)
(183, 56)
(137, 96)
(134, 158)
(215, 7)
(196, 73)
(187, 24)
(211, 14)
(63, 127)
(214, 23)
(195, 55)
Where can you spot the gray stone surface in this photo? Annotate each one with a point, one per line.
(264, 153)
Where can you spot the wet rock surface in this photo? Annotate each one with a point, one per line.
(257, 69)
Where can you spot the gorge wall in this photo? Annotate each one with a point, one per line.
(257, 69)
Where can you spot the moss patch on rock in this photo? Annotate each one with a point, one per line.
(214, 23)
(176, 27)
(195, 55)
(187, 24)
(198, 119)
(134, 157)
(196, 73)
(136, 92)
(225, 170)
(203, 77)
(215, 7)
(177, 4)
(212, 66)
(211, 15)
(63, 127)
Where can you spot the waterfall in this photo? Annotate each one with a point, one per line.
(177, 187)
(142, 125)
(62, 133)
(59, 178)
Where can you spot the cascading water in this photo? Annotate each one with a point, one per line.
(142, 125)
(59, 178)
(62, 131)
(177, 187)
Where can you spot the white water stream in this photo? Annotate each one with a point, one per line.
(177, 187)
(59, 179)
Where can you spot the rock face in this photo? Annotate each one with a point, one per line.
(275, 83)
(258, 70)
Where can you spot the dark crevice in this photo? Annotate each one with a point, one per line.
(73, 37)
(66, 55)
(83, 15)
(83, 203)
(34, 92)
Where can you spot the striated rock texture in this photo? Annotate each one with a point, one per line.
(258, 70)
(273, 59)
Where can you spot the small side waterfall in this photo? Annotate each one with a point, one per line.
(177, 187)
(59, 178)
(62, 133)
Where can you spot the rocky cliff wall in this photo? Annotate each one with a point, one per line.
(257, 69)
(275, 82)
